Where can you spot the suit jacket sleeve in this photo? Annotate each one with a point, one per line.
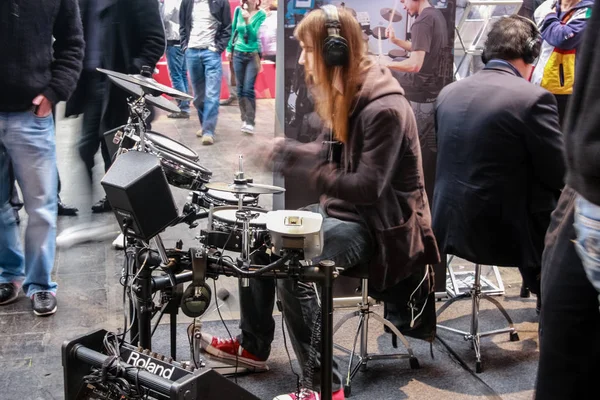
(544, 142)
(68, 52)
(383, 138)
(151, 32)
(225, 27)
(184, 26)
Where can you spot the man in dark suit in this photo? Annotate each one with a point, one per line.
(500, 164)
(122, 36)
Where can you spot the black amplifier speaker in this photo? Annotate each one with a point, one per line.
(160, 377)
(138, 191)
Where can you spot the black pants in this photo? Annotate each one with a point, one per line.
(91, 135)
(563, 102)
(570, 321)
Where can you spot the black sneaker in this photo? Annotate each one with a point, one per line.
(44, 303)
(101, 206)
(63, 209)
(8, 293)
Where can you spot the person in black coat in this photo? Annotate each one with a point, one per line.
(122, 36)
(570, 321)
(500, 164)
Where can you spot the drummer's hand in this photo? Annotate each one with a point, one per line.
(273, 154)
(390, 33)
(276, 148)
(245, 15)
(262, 154)
(229, 56)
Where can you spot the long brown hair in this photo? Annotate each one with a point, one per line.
(333, 106)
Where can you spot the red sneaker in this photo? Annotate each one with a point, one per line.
(306, 394)
(226, 350)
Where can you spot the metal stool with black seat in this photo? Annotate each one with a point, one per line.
(474, 336)
(363, 313)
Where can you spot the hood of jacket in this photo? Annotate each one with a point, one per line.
(378, 82)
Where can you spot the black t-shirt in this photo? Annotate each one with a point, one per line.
(429, 33)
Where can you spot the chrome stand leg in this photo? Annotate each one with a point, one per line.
(476, 294)
(474, 335)
(363, 356)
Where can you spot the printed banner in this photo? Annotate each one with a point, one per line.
(430, 33)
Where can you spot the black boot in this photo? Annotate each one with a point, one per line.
(101, 206)
(64, 209)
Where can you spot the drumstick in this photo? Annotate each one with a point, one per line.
(393, 12)
(380, 45)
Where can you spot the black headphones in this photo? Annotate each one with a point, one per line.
(195, 300)
(336, 52)
(197, 296)
(533, 45)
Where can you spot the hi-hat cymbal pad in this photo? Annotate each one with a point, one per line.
(147, 84)
(244, 188)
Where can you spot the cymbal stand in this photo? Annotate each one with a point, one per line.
(245, 216)
(139, 111)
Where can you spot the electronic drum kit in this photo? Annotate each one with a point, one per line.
(235, 223)
(234, 217)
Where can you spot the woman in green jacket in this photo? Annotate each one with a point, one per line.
(244, 52)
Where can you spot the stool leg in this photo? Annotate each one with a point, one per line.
(351, 371)
(514, 336)
(364, 338)
(476, 294)
(364, 334)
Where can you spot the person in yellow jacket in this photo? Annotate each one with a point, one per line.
(562, 25)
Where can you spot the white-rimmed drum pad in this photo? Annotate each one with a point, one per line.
(166, 143)
(228, 216)
(226, 229)
(227, 198)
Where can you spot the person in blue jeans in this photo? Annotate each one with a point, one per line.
(205, 29)
(587, 245)
(35, 74)
(175, 56)
(243, 50)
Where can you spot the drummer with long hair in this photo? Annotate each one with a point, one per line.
(373, 201)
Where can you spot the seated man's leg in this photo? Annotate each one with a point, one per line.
(348, 244)
(587, 227)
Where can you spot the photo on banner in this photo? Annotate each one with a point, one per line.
(436, 39)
